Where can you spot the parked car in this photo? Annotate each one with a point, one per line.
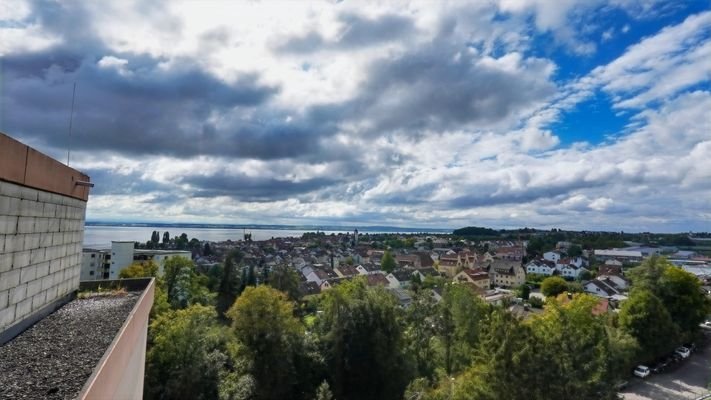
(676, 357)
(658, 367)
(641, 371)
(691, 347)
(683, 352)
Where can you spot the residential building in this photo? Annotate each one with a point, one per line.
(121, 255)
(570, 270)
(449, 264)
(507, 273)
(478, 277)
(600, 288)
(541, 267)
(95, 264)
(554, 256)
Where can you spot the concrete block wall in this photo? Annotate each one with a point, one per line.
(41, 236)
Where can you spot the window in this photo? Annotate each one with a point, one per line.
(91, 272)
(93, 256)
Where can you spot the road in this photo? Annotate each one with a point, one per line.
(688, 381)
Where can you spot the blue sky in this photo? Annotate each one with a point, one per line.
(580, 114)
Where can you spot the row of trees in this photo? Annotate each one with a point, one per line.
(241, 341)
(178, 243)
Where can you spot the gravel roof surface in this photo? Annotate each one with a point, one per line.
(55, 357)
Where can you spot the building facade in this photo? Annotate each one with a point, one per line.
(42, 209)
(108, 264)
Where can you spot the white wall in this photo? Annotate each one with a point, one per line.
(121, 257)
(41, 236)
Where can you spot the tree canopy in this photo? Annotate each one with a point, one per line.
(387, 262)
(553, 286)
(263, 321)
(645, 318)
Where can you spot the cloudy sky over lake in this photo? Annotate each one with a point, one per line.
(582, 114)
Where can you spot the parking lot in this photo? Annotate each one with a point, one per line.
(688, 380)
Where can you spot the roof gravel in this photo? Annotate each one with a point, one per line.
(54, 358)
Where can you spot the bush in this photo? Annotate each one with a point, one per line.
(553, 286)
(535, 302)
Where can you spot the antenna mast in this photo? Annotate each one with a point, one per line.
(71, 116)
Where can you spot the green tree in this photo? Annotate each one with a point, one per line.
(286, 279)
(363, 342)
(229, 283)
(324, 392)
(185, 355)
(251, 276)
(263, 321)
(683, 297)
(575, 251)
(387, 263)
(139, 270)
(585, 362)
(166, 238)
(648, 274)
(623, 349)
(458, 326)
(507, 363)
(523, 291)
(553, 286)
(644, 317)
(421, 316)
(524, 360)
(181, 242)
(206, 249)
(182, 285)
(535, 302)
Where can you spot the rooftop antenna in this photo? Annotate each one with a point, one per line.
(71, 116)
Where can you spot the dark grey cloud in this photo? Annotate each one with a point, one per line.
(143, 108)
(441, 87)
(490, 195)
(111, 182)
(139, 109)
(358, 31)
(247, 188)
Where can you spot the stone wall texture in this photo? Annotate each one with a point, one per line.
(41, 237)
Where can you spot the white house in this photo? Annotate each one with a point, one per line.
(542, 267)
(361, 270)
(393, 282)
(554, 256)
(600, 289)
(570, 270)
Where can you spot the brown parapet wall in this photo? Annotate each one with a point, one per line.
(120, 373)
(26, 166)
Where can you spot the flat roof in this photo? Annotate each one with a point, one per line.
(151, 251)
(55, 357)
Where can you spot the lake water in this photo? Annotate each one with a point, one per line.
(101, 236)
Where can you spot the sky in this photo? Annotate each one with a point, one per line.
(573, 114)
